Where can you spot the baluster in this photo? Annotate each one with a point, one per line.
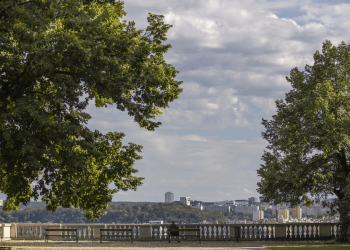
(269, 230)
(306, 232)
(134, 232)
(224, 232)
(303, 231)
(287, 231)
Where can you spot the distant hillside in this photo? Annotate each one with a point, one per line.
(121, 214)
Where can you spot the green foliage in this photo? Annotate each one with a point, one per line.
(122, 214)
(308, 155)
(55, 57)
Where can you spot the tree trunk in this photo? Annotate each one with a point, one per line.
(344, 220)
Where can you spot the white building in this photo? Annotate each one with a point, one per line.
(246, 209)
(1, 203)
(185, 200)
(169, 197)
(218, 208)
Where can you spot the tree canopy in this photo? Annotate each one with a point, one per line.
(57, 56)
(308, 156)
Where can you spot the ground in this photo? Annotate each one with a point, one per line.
(183, 245)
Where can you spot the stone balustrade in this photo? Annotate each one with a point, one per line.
(160, 231)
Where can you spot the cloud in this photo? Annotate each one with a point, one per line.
(233, 57)
(246, 191)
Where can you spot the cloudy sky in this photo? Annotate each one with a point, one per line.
(233, 57)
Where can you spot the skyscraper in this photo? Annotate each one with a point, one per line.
(169, 197)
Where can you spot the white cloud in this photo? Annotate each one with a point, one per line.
(233, 57)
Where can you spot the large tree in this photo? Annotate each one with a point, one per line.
(56, 57)
(308, 156)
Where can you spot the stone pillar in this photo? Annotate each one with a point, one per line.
(280, 231)
(96, 230)
(13, 231)
(6, 232)
(325, 230)
(235, 231)
(145, 232)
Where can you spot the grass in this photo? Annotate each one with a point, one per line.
(310, 247)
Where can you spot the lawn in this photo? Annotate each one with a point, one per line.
(310, 247)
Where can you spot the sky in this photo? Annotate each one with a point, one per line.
(233, 57)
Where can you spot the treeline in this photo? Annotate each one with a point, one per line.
(122, 214)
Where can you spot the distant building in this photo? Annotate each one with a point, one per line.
(198, 206)
(185, 200)
(246, 209)
(169, 197)
(253, 200)
(258, 215)
(283, 213)
(226, 202)
(218, 208)
(296, 212)
(241, 202)
(196, 203)
(1, 203)
(156, 222)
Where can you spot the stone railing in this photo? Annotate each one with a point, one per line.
(160, 231)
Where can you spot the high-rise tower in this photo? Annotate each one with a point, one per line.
(169, 197)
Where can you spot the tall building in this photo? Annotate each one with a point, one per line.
(283, 213)
(185, 200)
(296, 212)
(258, 215)
(169, 197)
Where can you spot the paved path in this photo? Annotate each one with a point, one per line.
(145, 245)
(148, 245)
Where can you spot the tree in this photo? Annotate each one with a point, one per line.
(308, 156)
(55, 58)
